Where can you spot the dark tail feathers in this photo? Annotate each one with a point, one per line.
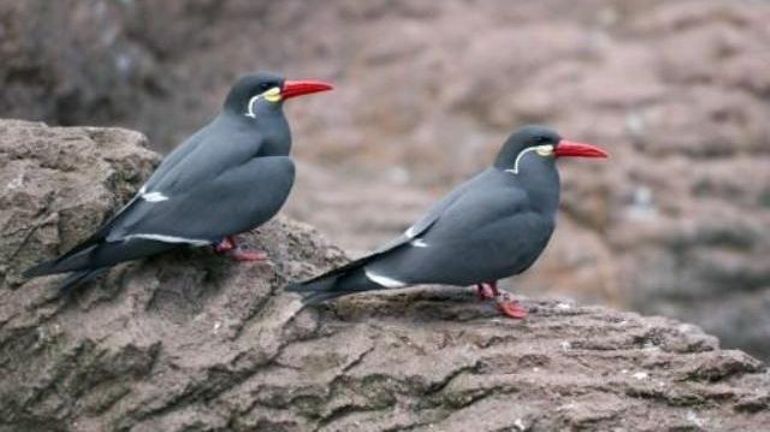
(332, 285)
(100, 255)
(62, 264)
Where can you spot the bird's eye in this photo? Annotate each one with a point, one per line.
(541, 139)
(266, 86)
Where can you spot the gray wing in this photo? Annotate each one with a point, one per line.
(197, 172)
(179, 154)
(418, 228)
(485, 234)
(201, 161)
(233, 201)
(214, 149)
(167, 166)
(203, 155)
(432, 215)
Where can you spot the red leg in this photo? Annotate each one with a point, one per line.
(229, 246)
(240, 254)
(487, 290)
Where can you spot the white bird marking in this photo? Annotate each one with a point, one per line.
(410, 232)
(142, 189)
(168, 239)
(385, 281)
(249, 107)
(418, 243)
(153, 197)
(539, 149)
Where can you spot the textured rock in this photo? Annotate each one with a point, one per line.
(190, 341)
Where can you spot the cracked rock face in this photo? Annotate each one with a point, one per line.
(192, 342)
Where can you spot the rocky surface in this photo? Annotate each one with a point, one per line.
(190, 341)
(426, 92)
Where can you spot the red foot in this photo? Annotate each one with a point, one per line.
(487, 290)
(239, 254)
(510, 307)
(229, 246)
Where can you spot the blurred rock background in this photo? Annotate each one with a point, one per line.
(676, 223)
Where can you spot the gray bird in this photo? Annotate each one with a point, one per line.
(232, 175)
(493, 226)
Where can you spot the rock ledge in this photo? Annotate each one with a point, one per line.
(191, 342)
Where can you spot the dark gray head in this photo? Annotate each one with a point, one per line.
(533, 143)
(538, 140)
(530, 155)
(264, 92)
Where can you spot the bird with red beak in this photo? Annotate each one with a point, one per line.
(230, 176)
(493, 226)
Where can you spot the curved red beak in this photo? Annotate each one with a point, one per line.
(298, 88)
(576, 149)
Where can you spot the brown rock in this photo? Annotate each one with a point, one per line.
(189, 341)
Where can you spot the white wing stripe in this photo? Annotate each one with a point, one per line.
(153, 197)
(385, 281)
(169, 239)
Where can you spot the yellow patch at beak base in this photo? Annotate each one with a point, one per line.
(544, 150)
(273, 95)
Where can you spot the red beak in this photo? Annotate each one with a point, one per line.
(298, 88)
(571, 148)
